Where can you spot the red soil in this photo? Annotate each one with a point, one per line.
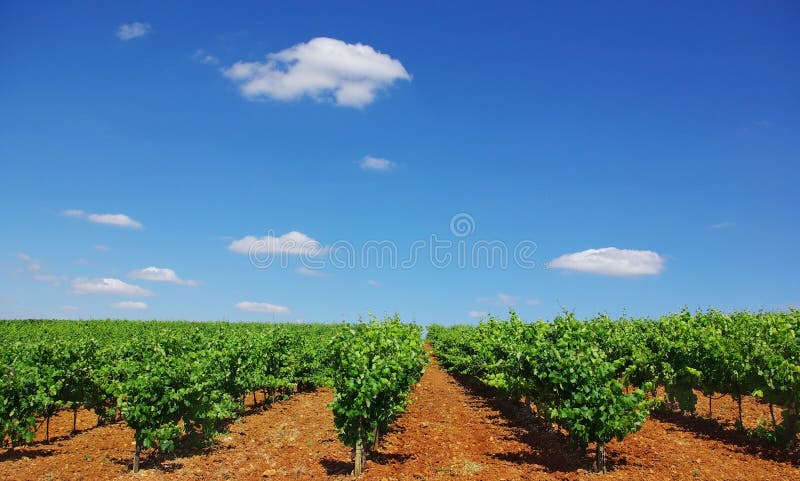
(449, 432)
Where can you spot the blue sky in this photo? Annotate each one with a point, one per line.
(667, 132)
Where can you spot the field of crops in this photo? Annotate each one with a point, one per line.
(165, 380)
(593, 378)
(334, 399)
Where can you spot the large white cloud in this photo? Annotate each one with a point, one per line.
(119, 220)
(323, 69)
(263, 307)
(129, 31)
(160, 274)
(131, 305)
(107, 285)
(293, 242)
(611, 261)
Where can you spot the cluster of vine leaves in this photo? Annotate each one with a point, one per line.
(376, 364)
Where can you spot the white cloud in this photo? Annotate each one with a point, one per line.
(119, 220)
(611, 261)
(107, 285)
(532, 302)
(375, 163)
(293, 242)
(323, 69)
(477, 314)
(373, 283)
(70, 308)
(305, 271)
(129, 31)
(723, 225)
(263, 307)
(501, 299)
(132, 305)
(102, 248)
(204, 57)
(160, 274)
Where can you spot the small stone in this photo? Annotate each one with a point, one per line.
(269, 472)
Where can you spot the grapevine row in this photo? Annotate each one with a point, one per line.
(162, 379)
(376, 363)
(593, 378)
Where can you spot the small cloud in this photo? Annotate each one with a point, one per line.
(129, 31)
(305, 271)
(263, 307)
(160, 274)
(102, 248)
(33, 270)
(119, 220)
(293, 242)
(107, 285)
(532, 302)
(478, 314)
(611, 261)
(204, 57)
(32, 265)
(373, 283)
(130, 305)
(501, 299)
(723, 225)
(376, 164)
(762, 123)
(323, 69)
(70, 308)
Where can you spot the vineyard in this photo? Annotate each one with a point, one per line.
(598, 379)
(365, 397)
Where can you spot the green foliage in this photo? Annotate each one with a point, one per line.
(161, 378)
(377, 364)
(592, 377)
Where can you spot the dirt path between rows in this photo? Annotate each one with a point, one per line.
(448, 432)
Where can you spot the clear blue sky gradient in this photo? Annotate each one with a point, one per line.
(575, 125)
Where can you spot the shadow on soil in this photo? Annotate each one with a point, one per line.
(549, 448)
(712, 429)
(25, 452)
(336, 466)
(388, 458)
